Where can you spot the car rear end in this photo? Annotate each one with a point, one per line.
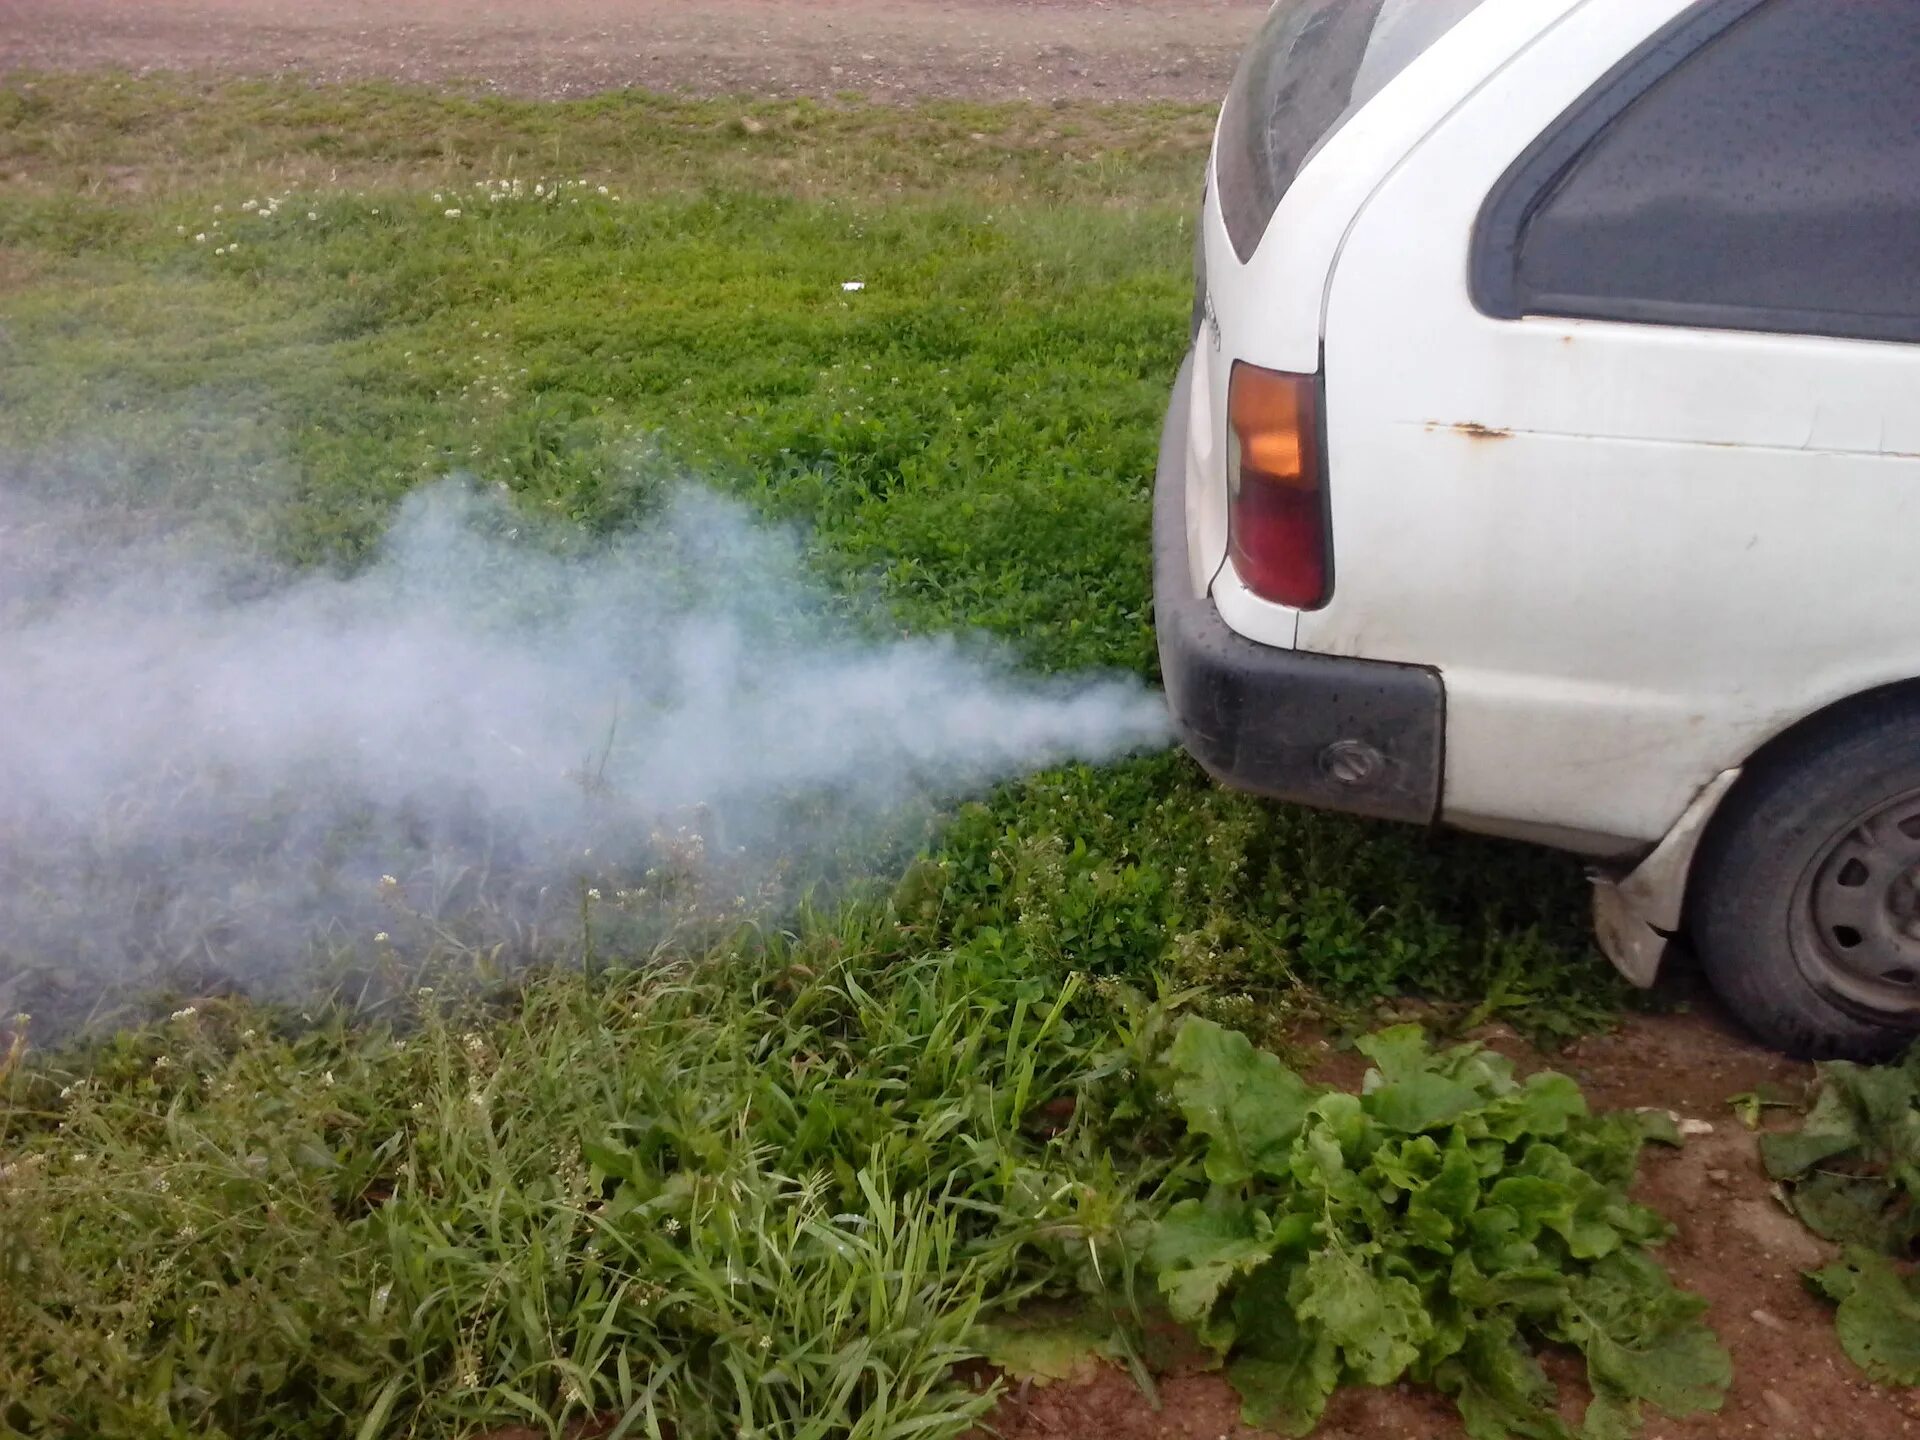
(1331, 96)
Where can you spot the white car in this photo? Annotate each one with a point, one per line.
(1547, 463)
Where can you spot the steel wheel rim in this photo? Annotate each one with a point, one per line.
(1857, 909)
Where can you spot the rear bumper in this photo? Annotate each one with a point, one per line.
(1358, 735)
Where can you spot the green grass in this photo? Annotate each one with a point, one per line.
(757, 1180)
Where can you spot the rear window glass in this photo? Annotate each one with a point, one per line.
(1771, 181)
(1314, 63)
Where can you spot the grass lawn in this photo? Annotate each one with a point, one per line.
(762, 1178)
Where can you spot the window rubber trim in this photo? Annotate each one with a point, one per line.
(1494, 260)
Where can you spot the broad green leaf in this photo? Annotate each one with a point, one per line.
(1407, 1164)
(1285, 1370)
(1344, 1118)
(1544, 1106)
(1659, 1127)
(1852, 1170)
(1535, 1203)
(1681, 1371)
(1397, 1052)
(1856, 1210)
(1410, 1089)
(1437, 1211)
(1606, 1148)
(1879, 1315)
(1611, 1417)
(1499, 1240)
(1551, 1101)
(1882, 1098)
(1561, 1197)
(1501, 1390)
(1378, 1322)
(1828, 1130)
(1643, 1338)
(1203, 1244)
(1318, 1160)
(1533, 1290)
(1248, 1105)
(1047, 1345)
(1421, 1102)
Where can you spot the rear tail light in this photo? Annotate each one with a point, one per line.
(1277, 510)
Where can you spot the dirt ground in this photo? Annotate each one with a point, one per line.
(884, 49)
(1733, 1244)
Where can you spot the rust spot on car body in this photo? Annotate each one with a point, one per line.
(1472, 429)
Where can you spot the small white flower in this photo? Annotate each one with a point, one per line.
(219, 209)
(165, 1062)
(326, 1078)
(387, 882)
(593, 894)
(201, 238)
(851, 285)
(185, 1012)
(179, 229)
(313, 214)
(453, 214)
(380, 937)
(437, 197)
(246, 1034)
(160, 1184)
(219, 249)
(603, 189)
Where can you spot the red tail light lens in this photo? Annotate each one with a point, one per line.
(1277, 504)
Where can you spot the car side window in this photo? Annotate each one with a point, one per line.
(1762, 174)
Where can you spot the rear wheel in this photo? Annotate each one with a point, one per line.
(1806, 899)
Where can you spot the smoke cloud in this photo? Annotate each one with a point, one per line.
(210, 775)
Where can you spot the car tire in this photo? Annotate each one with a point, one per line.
(1805, 902)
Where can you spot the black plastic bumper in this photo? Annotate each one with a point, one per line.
(1359, 735)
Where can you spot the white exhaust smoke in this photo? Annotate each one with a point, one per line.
(203, 775)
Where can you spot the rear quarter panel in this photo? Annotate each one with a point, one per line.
(1270, 310)
(1635, 552)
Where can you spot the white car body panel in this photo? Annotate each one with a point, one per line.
(1270, 311)
(1630, 569)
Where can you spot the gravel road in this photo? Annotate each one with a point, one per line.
(885, 49)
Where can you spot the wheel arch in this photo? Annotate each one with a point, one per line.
(1640, 910)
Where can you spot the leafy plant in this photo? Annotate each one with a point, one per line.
(1879, 1314)
(1439, 1226)
(1851, 1172)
